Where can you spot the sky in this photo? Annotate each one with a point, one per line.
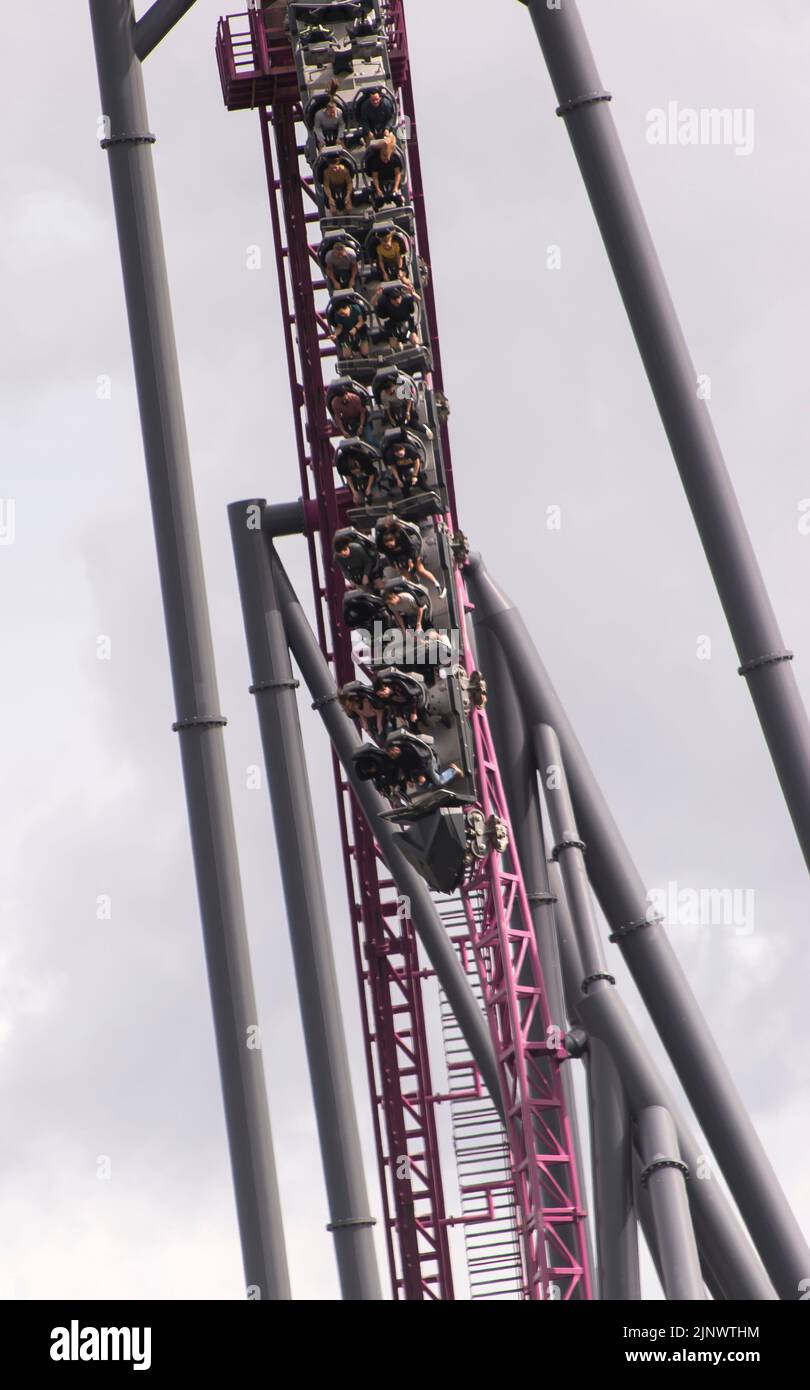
(114, 1176)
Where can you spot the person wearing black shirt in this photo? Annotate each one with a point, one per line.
(358, 558)
(397, 309)
(376, 113)
(406, 464)
(359, 468)
(400, 544)
(385, 167)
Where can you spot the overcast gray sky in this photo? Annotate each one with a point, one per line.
(106, 1045)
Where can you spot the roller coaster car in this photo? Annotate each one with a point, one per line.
(375, 110)
(397, 395)
(342, 397)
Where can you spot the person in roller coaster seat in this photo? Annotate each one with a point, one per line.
(329, 125)
(376, 114)
(408, 604)
(401, 698)
(363, 708)
(399, 543)
(406, 466)
(391, 253)
(418, 761)
(337, 182)
(397, 395)
(385, 167)
(397, 308)
(358, 466)
(358, 558)
(348, 320)
(349, 406)
(362, 610)
(341, 266)
(372, 764)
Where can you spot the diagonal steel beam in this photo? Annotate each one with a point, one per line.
(153, 26)
(764, 660)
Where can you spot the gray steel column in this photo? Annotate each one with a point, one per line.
(655, 968)
(608, 1024)
(709, 490)
(612, 1158)
(427, 923)
(199, 722)
(307, 914)
(612, 1129)
(641, 1199)
(516, 766)
(720, 1238)
(666, 1181)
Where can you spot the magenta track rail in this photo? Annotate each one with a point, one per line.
(257, 70)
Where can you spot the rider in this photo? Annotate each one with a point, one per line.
(341, 266)
(406, 462)
(349, 405)
(359, 466)
(408, 604)
(385, 167)
(348, 321)
(418, 761)
(375, 112)
(401, 698)
(400, 543)
(358, 558)
(397, 308)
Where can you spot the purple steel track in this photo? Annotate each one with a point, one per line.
(257, 69)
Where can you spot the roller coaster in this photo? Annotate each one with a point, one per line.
(473, 833)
